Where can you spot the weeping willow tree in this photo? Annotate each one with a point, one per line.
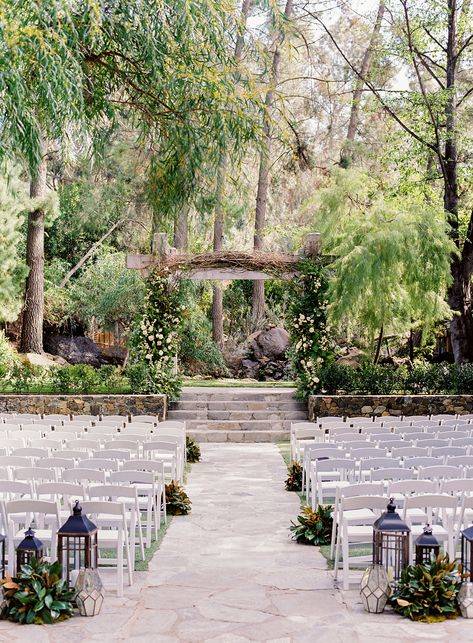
(390, 257)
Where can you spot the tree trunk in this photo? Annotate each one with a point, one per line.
(379, 343)
(181, 229)
(33, 310)
(459, 296)
(258, 304)
(217, 298)
(346, 156)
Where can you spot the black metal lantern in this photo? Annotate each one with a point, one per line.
(427, 547)
(77, 543)
(467, 552)
(30, 547)
(391, 542)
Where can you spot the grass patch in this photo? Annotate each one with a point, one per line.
(231, 383)
(142, 565)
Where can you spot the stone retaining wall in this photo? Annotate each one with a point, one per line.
(367, 405)
(85, 404)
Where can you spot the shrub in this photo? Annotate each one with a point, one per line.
(37, 594)
(77, 378)
(8, 356)
(177, 500)
(315, 527)
(294, 478)
(192, 450)
(144, 378)
(428, 593)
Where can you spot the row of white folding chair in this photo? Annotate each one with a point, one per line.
(112, 533)
(356, 514)
(76, 485)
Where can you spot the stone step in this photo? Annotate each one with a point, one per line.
(203, 414)
(239, 436)
(242, 425)
(236, 394)
(238, 405)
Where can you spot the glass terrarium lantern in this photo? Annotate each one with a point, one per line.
(89, 592)
(467, 552)
(427, 547)
(375, 589)
(77, 544)
(30, 547)
(391, 542)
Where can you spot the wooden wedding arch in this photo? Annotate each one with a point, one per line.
(222, 265)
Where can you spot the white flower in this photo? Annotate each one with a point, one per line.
(160, 353)
(150, 337)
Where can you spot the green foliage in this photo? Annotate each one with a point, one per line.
(144, 378)
(13, 201)
(108, 291)
(391, 256)
(428, 593)
(313, 527)
(177, 500)
(8, 356)
(294, 478)
(82, 378)
(192, 450)
(37, 595)
(198, 353)
(156, 335)
(370, 379)
(310, 344)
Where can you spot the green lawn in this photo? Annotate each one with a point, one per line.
(231, 383)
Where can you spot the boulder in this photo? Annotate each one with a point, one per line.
(39, 359)
(250, 369)
(76, 350)
(271, 344)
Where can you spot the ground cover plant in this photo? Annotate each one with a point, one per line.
(313, 527)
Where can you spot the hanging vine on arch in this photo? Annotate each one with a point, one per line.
(311, 346)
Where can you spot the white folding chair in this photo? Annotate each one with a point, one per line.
(128, 495)
(442, 522)
(440, 472)
(353, 531)
(84, 476)
(150, 493)
(151, 419)
(20, 513)
(156, 467)
(328, 475)
(112, 534)
(168, 452)
(316, 452)
(403, 452)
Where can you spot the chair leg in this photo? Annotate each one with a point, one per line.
(120, 564)
(345, 554)
(334, 532)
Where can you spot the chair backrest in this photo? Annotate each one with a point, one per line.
(425, 423)
(360, 489)
(14, 488)
(112, 491)
(103, 509)
(454, 435)
(421, 461)
(366, 452)
(55, 463)
(430, 500)
(142, 464)
(57, 417)
(101, 429)
(52, 444)
(331, 419)
(129, 445)
(364, 502)
(440, 472)
(31, 452)
(434, 442)
(101, 464)
(132, 476)
(342, 429)
(62, 491)
(411, 486)
(15, 461)
(457, 486)
(85, 417)
(112, 454)
(460, 460)
(84, 475)
(392, 421)
(375, 428)
(358, 420)
(171, 424)
(80, 444)
(393, 473)
(461, 442)
(145, 430)
(159, 446)
(385, 437)
(316, 452)
(420, 436)
(69, 430)
(74, 454)
(121, 419)
(395, 445)
(35, 474)
(28, 505)
(335, 464)
(416, 418)
(448, 451)
(403, 452)
(383, 462)
(151, 419)
(355, 444)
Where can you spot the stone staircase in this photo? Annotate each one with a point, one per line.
(238, 414)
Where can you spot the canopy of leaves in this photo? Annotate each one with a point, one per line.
(390, 256)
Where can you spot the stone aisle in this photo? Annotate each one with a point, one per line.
(228, 573)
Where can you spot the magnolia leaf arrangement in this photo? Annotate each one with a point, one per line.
(192, 450)
(294, 477)
(37, 594)
(428, 592)
(313, 527)
(177, 500)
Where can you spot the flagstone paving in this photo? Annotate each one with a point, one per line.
(228, 573)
